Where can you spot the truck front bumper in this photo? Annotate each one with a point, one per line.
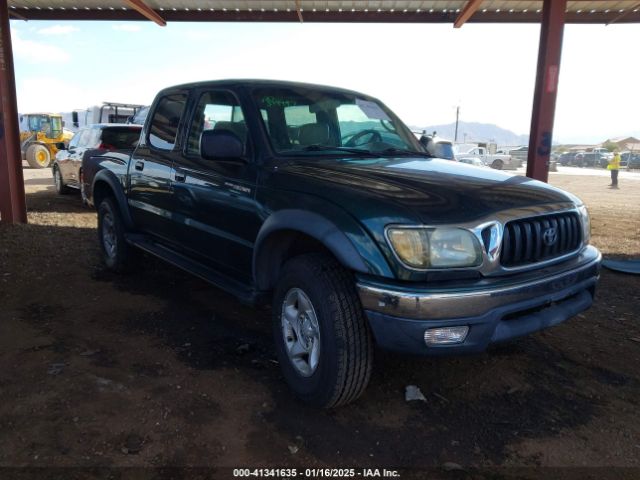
(493, 311)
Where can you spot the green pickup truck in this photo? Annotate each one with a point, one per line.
(322, 203)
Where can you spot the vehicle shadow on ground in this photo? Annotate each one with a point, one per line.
(475, 407)
(44, 201)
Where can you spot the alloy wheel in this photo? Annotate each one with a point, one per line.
(301, 332)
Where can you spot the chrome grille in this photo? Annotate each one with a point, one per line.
(531, 240)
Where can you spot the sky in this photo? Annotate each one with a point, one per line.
(422, 72)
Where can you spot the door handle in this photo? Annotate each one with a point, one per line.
(139, 165)
(180, 177)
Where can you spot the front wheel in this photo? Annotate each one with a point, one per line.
(58, 181)
(322, 339)
(38, 156)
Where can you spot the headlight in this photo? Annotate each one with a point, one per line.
(586, 224)
(435, 247)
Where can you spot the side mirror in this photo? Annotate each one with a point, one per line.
(424, 141)
(61, 146)
(221, 145)
(74, 119)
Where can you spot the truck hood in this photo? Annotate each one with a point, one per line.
(431, 191)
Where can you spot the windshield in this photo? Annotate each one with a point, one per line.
(307, 121)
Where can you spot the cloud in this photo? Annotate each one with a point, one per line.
(127, 27)
(37, 52)
(58, 30)
(34, 94)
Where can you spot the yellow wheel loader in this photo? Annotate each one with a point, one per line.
(39, 134)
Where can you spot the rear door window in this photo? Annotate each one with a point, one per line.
(216, 110)
(165, 121)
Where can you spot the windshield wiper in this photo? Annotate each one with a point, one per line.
(403, 151)
(326, 148)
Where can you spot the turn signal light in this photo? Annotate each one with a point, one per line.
(445, 335)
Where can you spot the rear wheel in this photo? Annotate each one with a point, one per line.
(61, 188)
(116, 252)
(497, 164)
(38, 156)
(322, 339)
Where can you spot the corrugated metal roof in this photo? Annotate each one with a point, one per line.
(501, 11)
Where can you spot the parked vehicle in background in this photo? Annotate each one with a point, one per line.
(604, 152)
(630, 159)
(108, 112)
(594, 159)
(578, 159)
(40, 135)
(520, 153)
(320, 202)
(497, 161)
(89, 142)
(566, 158)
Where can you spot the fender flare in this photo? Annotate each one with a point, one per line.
(108, 177)
(315, 226)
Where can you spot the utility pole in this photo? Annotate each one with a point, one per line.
(455, 136)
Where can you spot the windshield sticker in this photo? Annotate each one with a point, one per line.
(273, 101)
(372, 110)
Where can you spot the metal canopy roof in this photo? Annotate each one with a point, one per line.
(434, 11)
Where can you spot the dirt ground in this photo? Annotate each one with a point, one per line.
(159, 369)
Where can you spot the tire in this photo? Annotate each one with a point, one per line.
(497, 164)
(338, 370)
(116, 252)
(38, 156)
(61, 188)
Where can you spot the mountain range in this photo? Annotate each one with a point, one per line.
(473, 132)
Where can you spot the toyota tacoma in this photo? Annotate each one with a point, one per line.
(320, 202)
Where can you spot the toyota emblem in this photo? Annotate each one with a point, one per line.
(550, 236)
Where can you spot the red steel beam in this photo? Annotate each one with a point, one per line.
(544, 100)
(17, 16)
(12, 201)
(437, 16)
(626, 13)
(146, 11)
(467, 12)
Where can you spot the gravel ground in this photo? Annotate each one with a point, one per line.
(159, 369)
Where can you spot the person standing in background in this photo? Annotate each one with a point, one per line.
(614, 166)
